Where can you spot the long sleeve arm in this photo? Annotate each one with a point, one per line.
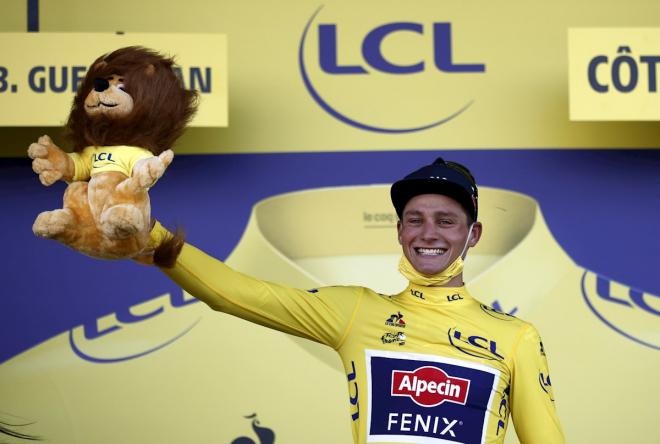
(532, 398)
(82, 166)
(322, 315)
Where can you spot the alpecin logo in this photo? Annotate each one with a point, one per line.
(430, 386)
(396, 320)
(427, 398)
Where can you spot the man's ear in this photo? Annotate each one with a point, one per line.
(477, 229)
(398, 231)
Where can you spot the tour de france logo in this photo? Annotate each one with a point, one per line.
(264, 435)
(352, 69)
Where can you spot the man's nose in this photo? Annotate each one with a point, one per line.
(429, 231)
(101, 84)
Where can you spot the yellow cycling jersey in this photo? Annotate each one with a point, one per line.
(100, 159)
(430, 364)
(170, 370)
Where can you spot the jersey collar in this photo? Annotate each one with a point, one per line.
(435, 295)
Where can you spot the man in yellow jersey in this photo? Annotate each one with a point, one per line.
(430, 364)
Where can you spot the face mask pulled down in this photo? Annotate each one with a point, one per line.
(438, 279)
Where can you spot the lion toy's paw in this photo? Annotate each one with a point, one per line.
(148, 171)
(49, 162)
(122, 221)
(50, 224)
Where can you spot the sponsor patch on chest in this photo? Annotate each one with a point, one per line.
(427, 399)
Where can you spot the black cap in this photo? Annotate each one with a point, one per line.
(447, 178)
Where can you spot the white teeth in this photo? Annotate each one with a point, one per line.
(430, 251)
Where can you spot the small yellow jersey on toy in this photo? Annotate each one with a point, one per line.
(102, 159)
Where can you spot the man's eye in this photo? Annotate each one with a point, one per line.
(414, 221)
(445, 222)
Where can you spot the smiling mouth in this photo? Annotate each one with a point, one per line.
(430, 251)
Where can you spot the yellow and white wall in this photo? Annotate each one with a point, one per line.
(553, 106)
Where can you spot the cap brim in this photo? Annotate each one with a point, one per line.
(404, 190)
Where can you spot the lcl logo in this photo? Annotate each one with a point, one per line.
(628, 311)
(157, 323)
(375, 59)
(474, 345)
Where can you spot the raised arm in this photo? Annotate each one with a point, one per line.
(322, 316)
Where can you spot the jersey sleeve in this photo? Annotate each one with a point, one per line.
(82, 165)
(322, 315)
(532, 398)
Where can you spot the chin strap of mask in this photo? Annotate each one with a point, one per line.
(438, 279)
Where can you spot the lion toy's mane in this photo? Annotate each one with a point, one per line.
(162, 107)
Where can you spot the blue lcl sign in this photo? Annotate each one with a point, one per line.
(373, 56)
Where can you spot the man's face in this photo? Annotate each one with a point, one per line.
(432, 232)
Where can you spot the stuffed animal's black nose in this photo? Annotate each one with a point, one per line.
(100, 84)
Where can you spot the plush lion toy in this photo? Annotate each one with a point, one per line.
(128, 112)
